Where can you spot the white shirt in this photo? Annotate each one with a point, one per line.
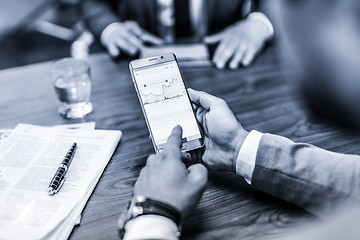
(158, 227)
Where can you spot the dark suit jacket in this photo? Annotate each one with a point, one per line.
(100, 13)
(315, 179)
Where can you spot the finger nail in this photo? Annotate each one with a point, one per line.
(177, 128)
(246, 61)
(113, 53)
(220, 65)
(133, 51)
(233, 65)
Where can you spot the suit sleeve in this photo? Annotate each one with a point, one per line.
(98, 14)
(315, 179)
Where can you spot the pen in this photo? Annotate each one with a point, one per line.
(59, 176)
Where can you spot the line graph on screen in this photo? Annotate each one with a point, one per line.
(162, 90)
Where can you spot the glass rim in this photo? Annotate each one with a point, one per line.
(59, 62)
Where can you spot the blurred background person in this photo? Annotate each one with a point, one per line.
(323, 39)
(126, 26)
(42, 30)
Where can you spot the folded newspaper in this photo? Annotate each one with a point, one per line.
(29, 157)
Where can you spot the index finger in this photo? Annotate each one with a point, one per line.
(203, 99)
(143, 34)
(174, 139)
(150, 38)
(211, 39)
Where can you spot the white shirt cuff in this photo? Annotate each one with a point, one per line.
(108, 31)
(151, 227)
(263, 18)
(245, 162)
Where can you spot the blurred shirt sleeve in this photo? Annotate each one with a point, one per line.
(151, 227)
(98, 14)
(245, 162)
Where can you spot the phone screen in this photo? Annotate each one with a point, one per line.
(165, 102)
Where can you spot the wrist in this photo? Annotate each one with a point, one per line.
(263, 22)
(239, 140)
(141, 206)
(106, 33)
(151, 227)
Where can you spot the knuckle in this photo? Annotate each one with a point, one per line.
(201, 177)
(142, 173)
(138, 183)
(209, 162)
(171, 152)
(151, 160)
(203, 173)
(242, 47)
(211, 165)
(222, 102)
(174, 150)
(228, 51)
(165, 152)
(130, 23)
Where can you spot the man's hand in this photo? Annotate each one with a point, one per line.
(224, 135)
(128, 37)
(239, 43)
(165, 177)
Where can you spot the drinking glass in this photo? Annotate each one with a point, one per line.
(72, 83)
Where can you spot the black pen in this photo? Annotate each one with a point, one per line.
(59, 177)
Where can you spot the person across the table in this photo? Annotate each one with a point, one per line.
(126, 26)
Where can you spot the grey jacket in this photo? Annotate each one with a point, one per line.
(315, 179)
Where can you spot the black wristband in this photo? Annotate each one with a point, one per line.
(151, 206)
(141, 205)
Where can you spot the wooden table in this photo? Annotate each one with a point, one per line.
(264, 97)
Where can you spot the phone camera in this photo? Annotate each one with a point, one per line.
(162, 57)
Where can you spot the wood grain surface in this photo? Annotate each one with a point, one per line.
(264, 96)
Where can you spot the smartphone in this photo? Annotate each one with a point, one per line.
(164, 100)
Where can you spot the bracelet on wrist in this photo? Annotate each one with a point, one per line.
(141, 205)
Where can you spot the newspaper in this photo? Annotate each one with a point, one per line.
(29, 157)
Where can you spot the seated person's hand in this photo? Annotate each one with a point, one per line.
(223, 134)
(127, 37)
(165, 177)
(239, 43)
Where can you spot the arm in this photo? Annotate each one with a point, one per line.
(151, 227)
(312, 178)
(240, 42)
(116, 36)
(165, 179)
(98, 15)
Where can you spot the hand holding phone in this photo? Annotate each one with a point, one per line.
(165, 101)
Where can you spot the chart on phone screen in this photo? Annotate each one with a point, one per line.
(166, 104)
(160, 83)
(162, 90)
